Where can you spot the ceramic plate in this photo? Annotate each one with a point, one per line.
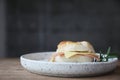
(38, 63)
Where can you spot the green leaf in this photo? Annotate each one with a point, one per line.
(108, 51)
(112, 56)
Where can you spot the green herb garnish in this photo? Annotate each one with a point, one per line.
(106, 56)
(101, 56)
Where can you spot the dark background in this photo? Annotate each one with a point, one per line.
(39, 25)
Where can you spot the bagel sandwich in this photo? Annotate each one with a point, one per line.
(69, 51)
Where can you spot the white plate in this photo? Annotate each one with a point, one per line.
(38, 63)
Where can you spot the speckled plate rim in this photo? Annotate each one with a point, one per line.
(50, 52)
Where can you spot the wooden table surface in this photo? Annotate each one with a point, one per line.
(10, 69)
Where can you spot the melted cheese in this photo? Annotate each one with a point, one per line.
(70, 54)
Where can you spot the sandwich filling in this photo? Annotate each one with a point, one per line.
(70, 54)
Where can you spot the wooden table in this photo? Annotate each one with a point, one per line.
(10, 69)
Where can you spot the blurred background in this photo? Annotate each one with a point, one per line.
(28, 26)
